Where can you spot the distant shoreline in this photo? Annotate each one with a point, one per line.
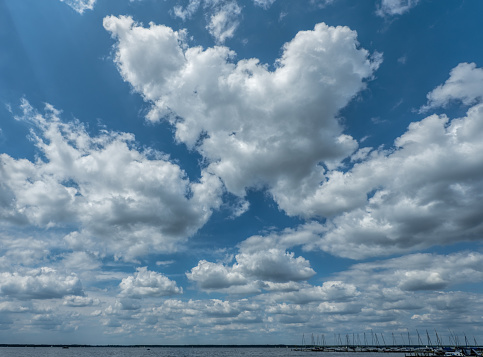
(192, 346)
(149, 346)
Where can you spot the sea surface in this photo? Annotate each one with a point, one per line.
(174, 352)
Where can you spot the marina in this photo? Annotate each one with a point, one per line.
(359, 342)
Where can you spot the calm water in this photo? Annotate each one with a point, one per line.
(173, 352)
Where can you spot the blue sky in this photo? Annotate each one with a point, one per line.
(239, 171)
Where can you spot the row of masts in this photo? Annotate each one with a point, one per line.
(374, 339)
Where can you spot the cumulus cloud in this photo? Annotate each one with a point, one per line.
(391, 201)
(80, 5)
(397, 293)
(386, 293)
(81, 261)
(392, 294)
(465, 84)
(395, 7)
(210, 275)
(220, 308)
(336, 305)
(146, 283)
(41, 283)
(11, 306)
(412, 290)
(122, 200)
(251, 272)
(255, 127)
(213, 316)
(26, 251)
(404, 198)
(302, 235)
(397, 200)
(80, 301)
(333, 291)
(211, 313)
(274, 265)
(407, 198)
(419, 272)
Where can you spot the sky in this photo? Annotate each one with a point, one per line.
(240, 171)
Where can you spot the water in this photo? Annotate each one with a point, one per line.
(174, 352)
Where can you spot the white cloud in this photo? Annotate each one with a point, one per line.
(188, 11)
(147, 57)
(218, 308)
(186, 317)
(264, 3)
(210, 313)
(41, 283)
(465, 84)
(146, 283)
(23, 250)
(254, 126)
(122, 200)
(395, 7)
(387, 295)
(329, 291)
(224, 22)
(251, 272)
(80, 301)
(408, 199)
(11, 306)
(81, 261)
(425, 191)
(215, 276)
(80, 5)
(322, 3)
(283, 287)
(390, 202)
(274, 265)
(288, 238)
(398, 200)
(419, 272)
(223, 16)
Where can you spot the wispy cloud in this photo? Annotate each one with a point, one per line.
(395, 7)
(80, 5)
